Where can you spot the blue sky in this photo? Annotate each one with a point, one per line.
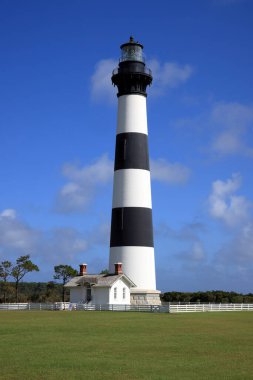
(58, 123)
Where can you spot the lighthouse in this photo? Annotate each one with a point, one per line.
(131, 240)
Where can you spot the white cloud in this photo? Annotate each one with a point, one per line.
(101, 84)
(245, 241)
(164, 171)
(224, 205)
(232, 115)
(185, 242)
(98, 172)
(239, 250)
(83, 182)
(197, 252)
(61, 245)
(228, 142)
(188, 232)
(8, 213)
(226, 127)
(168, 75)
(77, 194)
(235, 257)
(16, 235)
(100, 235)
(193, 255)
(234, 121)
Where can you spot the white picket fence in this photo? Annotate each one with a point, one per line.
(28, 306)
(169, 308)
(142, 308)
(193, 308)
(83, 307)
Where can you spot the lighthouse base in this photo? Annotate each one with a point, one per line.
(144, 297)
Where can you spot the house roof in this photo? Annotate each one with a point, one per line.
(98, 280)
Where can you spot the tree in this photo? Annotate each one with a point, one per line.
(23, 266)
(5, 271)
(104, 271)
(64, 273)
(53, 292)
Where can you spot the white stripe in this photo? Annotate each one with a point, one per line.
(131, 188)
(138, 263)
(132, 114)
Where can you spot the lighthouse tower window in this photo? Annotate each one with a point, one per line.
(132, 52)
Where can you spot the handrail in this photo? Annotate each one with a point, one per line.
(145, 71)
(135, 60)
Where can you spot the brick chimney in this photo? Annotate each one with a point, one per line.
(118, 268)
(83, 269)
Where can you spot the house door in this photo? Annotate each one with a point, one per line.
(89, 294)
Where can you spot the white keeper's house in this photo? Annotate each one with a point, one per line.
(100, 289)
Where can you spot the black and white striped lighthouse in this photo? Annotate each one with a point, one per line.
(131, 240)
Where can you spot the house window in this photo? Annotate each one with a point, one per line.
(115, 293)
(124, 293)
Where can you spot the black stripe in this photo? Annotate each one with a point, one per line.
(131, 151)
(131, 226)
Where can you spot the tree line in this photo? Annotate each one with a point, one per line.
(53, 292)
(17, 291)
(212, 296)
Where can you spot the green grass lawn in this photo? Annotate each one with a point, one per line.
(113, 345)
